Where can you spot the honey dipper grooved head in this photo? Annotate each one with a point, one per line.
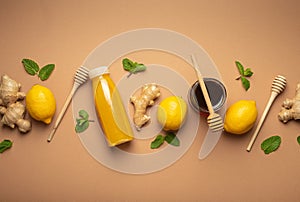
(81, 75)
(279, 84)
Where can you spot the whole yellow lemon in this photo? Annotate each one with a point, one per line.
(171, 113)
(40, 103)
(240, 117)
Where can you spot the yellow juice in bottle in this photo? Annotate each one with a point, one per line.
(110, 109)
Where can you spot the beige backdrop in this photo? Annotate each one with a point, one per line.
(263, 35)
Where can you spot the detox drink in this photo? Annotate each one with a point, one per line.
(109, 107)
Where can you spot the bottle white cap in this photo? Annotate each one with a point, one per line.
(97, 71)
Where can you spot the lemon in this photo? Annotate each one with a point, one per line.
(40, 103)
(171, 113)
(240, 117)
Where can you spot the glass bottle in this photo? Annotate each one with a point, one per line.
(109, 107)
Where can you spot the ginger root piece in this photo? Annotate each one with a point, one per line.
(12, 110)
(14, 115)
(9, 91)
(291, 108)
(148, 94)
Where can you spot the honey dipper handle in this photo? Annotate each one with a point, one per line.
(262, 119)
(62, 113)
(202, 85)
(205, 94)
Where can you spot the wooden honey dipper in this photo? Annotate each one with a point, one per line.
(214, 120)
(81, 76)
(278, 86)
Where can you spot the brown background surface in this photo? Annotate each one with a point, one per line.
(263, 35)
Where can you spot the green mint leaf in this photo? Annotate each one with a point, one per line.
(271, 144)
(138, 68)
(4, 145)
(82, 113)
(172, 139)
(248, 72)
(81, 126)
(128, 65)
(298, 140)
(240, 67)
(159, 140)
(246, 83)
(46, 71)
(31, 67)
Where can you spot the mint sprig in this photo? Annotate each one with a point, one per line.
(83, 122)
(243, 74)
(170, 138)
(132, 67)
(32, 68)
(298, 140)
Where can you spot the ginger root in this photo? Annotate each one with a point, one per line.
(14, 115)
(9, 91)
(148, 94)
(291, 108)
(13, 111)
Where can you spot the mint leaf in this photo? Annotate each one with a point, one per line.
(248, 72)
(159, 140)
(138, 68)
(271, 144)
(246, 83)
(81, 125)
(31, 67)
(4, 145)
(82, 113)
(240, 67)
(128, 65)
(46, 71)
(172, 139)
(298, 140)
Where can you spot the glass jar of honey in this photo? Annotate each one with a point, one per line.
(216, 91)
